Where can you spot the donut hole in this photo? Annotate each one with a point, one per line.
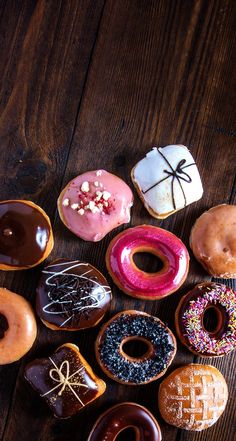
(148, 262)
(135, 347)
(3, 325)
(213, 318)
(128, 433)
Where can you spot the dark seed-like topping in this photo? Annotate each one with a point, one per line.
(132, 325)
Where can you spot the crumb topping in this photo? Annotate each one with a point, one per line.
(91, 200)
(66, 202)
(85, 187)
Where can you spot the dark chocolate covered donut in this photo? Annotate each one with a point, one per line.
(124, 415)
(26, 237)
(64, 380)
(72, 295)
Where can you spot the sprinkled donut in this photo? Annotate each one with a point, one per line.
(121, 416)
(137, 283)
(190, 314)
(135, 325)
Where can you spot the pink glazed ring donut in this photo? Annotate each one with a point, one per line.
(137, 283)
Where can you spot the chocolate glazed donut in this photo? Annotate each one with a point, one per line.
(123, 416)
(26, 237)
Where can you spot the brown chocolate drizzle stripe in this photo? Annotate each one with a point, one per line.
(175, 174)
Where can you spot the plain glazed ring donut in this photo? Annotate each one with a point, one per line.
(135, 325)
(26, 237)
(124, 415)
(213, 241)
(189, 320)
(146, 238)
(19, 327)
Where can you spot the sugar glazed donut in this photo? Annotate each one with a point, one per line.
(18, 326)
(193, 397)
(124, 415)
(135, 325)
(72, 295)
(26, 237)
(94, 203)
(137, 283)
(213, 241)
(190, 315)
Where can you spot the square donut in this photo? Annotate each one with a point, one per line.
(167, 180)
(65, 381)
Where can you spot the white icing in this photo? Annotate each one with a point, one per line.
(154, 168)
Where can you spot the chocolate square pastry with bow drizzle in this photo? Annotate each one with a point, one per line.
(167, 180)
(72, 295)
(65, 381)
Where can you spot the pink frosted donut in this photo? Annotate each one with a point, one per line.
(137, 283)
(94, 203)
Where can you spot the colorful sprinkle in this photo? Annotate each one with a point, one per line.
(200, 340)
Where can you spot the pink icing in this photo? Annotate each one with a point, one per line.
(142, 284)
(93, 224)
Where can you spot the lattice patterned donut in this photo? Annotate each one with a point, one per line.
(193, 397)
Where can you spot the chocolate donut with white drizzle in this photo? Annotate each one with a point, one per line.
(72, 295)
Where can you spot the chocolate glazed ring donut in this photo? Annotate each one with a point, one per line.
(122, 416)
(189, 320)
(26, 237)
(135, 325)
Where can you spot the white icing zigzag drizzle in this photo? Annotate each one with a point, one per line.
(70, 304)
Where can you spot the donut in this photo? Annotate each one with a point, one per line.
(213, 241)
(122, 416)
(137, 283)
(18, 326)
(167, 180)
(94, 203)
(193, 397)
(26, 237)
(189, 320)
(65, 381)
(138, 326)
(72, 295)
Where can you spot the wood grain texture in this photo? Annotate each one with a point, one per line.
(45, 54)
(84, 87)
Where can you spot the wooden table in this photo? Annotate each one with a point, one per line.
(87, 84)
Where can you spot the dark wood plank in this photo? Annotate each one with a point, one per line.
(162, 72)
(45, 52)
(149, 85)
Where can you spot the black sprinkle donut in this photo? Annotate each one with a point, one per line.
(135, 325)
